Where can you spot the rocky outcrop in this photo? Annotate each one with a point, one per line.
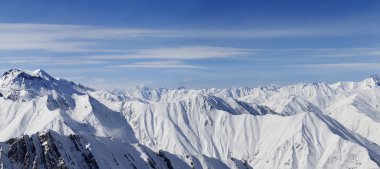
(50, 150)
(41, 150)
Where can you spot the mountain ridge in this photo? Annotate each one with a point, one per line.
(306, 125)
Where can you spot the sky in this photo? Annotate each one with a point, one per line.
(118, 44)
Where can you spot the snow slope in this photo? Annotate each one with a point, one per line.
(34, 101)
(315, 125)
(52, 150)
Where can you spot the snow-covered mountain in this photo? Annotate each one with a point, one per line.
(48, 123)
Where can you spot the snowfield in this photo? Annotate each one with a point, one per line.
(50, 123)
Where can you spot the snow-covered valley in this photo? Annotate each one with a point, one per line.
(54, 123)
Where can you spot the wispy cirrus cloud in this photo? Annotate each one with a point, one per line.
(356, 65)
(158, 64)
(32, 60)
(63, 38)
(173, 57)
(91, 45)
(295, 57)
(321, 52)
(179, 54)
(81, 38)
(340, 52)
(183, 53)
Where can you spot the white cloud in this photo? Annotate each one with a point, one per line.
(163, 54)
(342, 52)
(61, 38)
(157, 64)
(79, 38)
(363, 66)
(187, 52)
(48, 60)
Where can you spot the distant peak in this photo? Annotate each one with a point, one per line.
(376, 79)
(142, 87)
(18, 84)
(181, 87)
(41, 73)
(375, 76)
(16, 73)
(12, 71)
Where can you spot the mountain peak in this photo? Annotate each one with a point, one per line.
(41, 73)
(21, 84)
(376, 79)
(13, 74)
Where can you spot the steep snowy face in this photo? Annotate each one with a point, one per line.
(192, 125)
(33, 101)
(26, 85)
(51, 150)
(198, 121)
(354, 104)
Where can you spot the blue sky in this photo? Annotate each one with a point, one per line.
(197, 44)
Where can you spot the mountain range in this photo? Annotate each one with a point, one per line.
(49, 122)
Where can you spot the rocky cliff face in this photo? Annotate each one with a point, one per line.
(44, 150)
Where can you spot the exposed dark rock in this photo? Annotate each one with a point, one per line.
(167, 160)
(43, 151)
